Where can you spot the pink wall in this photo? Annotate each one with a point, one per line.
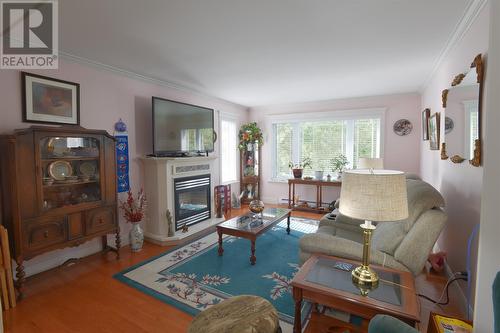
(460, 184)
(105, 97)
(400, 153)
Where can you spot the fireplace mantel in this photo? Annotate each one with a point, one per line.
(162, 160)
(159, 176)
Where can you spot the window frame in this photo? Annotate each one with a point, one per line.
(233, 118)
(344, 115)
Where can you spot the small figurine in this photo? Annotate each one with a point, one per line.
(170, 224)
(250, 191)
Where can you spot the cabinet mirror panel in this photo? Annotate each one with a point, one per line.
(462, 103)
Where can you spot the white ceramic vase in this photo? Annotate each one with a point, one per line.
(318, 175)
(136, 237)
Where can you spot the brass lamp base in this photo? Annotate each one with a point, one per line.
(365, 276)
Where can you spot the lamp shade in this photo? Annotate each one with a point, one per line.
(370, 163)
(378, 195)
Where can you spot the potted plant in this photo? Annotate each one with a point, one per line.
(298, 168)
(249, 134)
(339, 164)
(133, 212)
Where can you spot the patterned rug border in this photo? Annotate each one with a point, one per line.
(120, 276)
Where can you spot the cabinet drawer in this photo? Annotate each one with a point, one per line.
(44, 232)
(99, 220)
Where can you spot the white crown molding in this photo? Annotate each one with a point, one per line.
(468, 18)
(136, 76)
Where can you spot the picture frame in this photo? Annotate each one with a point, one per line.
(50, 101)
(434, 125)
(425, 124)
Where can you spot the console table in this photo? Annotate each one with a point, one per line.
(319, 193)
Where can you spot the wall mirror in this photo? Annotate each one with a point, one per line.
(462, 103)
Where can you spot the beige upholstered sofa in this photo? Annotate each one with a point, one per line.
(401, 245)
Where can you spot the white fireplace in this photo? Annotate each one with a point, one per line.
(184, 187)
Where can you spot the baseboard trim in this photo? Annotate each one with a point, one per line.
(271, 200)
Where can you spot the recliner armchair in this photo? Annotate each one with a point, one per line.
(403, 245)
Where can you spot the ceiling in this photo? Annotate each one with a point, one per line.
(266, 51)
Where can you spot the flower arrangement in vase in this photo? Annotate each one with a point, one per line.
(133, 212)
(249, 134)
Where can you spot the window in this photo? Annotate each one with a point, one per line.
(323, 136)
(229, 150)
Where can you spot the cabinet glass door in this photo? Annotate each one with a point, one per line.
(251, 160)
(70, 171)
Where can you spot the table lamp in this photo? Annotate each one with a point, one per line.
(370, 163)
(372, 195)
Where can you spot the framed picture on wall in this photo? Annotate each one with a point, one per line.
(425, 124)
(48, 100)
(434, 131)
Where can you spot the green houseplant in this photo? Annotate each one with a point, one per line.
(339, 164)
(249, 134)
(298, 168)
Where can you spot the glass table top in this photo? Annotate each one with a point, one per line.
(336, 274)
(254, 222)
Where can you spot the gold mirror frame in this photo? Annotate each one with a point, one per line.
(476, 159)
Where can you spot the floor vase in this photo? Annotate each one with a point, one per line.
(136, 237)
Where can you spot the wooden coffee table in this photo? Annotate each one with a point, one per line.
(246, 226)
(326, 280)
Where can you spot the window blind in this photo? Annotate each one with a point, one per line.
(283, 148)
(229, 151)
(321, 142)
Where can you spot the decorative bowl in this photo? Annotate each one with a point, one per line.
(48, 181)
(256, 206)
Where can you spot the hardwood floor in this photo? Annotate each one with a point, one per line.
(85, 297)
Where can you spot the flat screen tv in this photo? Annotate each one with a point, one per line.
(180, 128)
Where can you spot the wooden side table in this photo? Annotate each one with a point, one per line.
(326, 280)
(319, 193)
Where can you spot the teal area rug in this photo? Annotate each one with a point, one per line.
(193, 277)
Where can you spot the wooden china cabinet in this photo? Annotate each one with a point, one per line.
(250, 160)
(58, 190)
